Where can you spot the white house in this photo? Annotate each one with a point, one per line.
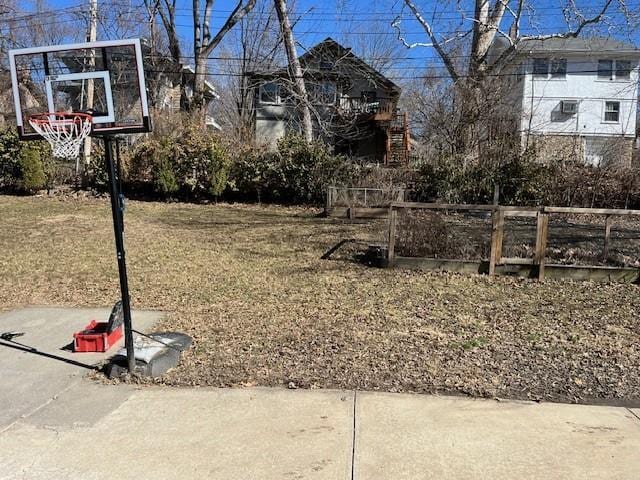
(577, 96)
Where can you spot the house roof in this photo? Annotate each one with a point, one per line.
(210, 87)
(328, 45)
(577, 45)
(346, 54)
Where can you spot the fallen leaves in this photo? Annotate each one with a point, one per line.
(248, 284)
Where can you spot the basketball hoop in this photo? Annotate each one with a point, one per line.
(64, 131)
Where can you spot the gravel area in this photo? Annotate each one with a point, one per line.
(248, 284)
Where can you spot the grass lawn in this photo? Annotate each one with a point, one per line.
(248, 284)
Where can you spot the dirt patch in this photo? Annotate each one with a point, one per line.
(248, 284)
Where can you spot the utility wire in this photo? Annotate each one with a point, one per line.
(390, 77)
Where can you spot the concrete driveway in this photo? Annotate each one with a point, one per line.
(36, 367)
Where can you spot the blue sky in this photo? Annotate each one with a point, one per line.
(354, 22)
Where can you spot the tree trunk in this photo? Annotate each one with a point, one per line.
(197, 101)
(295, 70)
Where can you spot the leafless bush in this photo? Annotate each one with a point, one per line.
(425, 234)
(422, 233)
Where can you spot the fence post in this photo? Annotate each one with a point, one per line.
(391, 248)
(327, 205)
(542, 232)
(607, 236)
(365, 198)
(497, 238)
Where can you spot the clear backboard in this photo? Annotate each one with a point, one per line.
(105, 79)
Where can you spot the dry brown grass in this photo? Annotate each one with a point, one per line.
(248, 283)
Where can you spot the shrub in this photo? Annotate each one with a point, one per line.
(203, 164)
(250, 171)
(191, 162)
(297, 172)
(10, 147)
(25, 166)
(454, 180)
(164, 180)
(32, 175)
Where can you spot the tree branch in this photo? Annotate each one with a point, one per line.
(434, 41)
(574, 33)
(206, 29)
(238, 14)
(197, 41)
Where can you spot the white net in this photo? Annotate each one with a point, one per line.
(64, 131)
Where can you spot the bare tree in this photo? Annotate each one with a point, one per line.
(295, 70)
(204, 42)
(499, 18)
(473, 38)
(253, 46)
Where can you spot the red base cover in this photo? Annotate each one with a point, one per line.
(95, 338)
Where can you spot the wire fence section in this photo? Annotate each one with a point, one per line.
(364, 197)
(507, 237)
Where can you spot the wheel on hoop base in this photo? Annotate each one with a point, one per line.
(65, 132)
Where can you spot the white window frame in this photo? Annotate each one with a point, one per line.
(277, 100)
(605, 111)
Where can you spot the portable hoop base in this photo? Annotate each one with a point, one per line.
(65, 132)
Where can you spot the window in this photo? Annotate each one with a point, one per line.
(605, 69)
(612, 112)
(540, 67)
(323, 93)
(623, 69)
(270, 93)
(614, 69)
(593, 151)
(555, 68)
(559, 68)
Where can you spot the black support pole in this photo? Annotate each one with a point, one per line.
(117, 207)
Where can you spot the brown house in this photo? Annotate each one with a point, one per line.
(355, 108)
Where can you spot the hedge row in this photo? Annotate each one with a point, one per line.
(189, 163)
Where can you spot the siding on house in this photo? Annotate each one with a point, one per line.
(542, 99)
(544, 74)
(355, 105)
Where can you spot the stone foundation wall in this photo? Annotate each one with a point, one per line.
(610, 151)
(549, 148)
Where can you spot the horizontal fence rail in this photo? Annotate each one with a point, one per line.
(362, 202)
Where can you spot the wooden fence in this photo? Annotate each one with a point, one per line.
(537, 266)
(353, 202)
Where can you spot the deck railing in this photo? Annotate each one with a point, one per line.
(359, 105)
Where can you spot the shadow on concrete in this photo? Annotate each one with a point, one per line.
(26, 348)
